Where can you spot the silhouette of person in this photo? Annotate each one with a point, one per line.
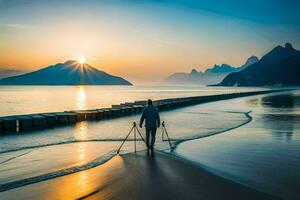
(152, 121)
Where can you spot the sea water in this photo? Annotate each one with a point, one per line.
(263, 154)
(259, 149)
(16, 100)
(183, 123)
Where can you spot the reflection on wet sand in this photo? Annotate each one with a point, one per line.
(52, 159)
(87, 183)
(278, 101)
(81, 152)
(138, 176)
(281, 125)
(264, 154)
(280, 117)
(287, 102)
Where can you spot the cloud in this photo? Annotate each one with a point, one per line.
(19, 26)
(148, 36)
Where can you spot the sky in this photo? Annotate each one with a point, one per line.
(143, 40)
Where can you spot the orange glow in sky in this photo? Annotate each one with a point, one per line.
(146, 41)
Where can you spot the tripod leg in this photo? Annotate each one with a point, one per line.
(168, 137)
(140, 135)
(134, 140)
(162, 134)
(124, 140)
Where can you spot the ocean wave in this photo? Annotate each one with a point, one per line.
(100, 160)
(176, 142)
(96, 162)
(14, 157)
(65, 142)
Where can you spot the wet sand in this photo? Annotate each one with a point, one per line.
(24, 164)
(137, 176)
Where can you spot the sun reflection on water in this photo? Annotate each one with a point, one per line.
(81, 98)
(81, 130)
(81, 152)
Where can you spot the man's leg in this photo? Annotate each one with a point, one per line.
(147, 137)
(153, 134)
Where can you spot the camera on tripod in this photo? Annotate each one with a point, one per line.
(135, 130)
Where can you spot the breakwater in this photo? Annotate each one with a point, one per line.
(20, 123)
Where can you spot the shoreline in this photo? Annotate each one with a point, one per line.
(249, 119)
(90, 164)
(176, 142)
(139, 176)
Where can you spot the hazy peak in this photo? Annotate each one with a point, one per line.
(194, 71)
(251, 60)
(289, 46)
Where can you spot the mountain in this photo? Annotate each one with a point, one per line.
(219, 69)
(68, 73)
(217, 73)
(194, 77)
(9, 72)
(279, 67)
(210, 76)
(249, 61)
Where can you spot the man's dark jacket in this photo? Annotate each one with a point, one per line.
(150, 114)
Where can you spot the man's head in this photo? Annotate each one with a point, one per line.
(149, 102)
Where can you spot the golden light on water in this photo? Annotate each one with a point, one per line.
(81, 98)
(82, 152)
(81, 130)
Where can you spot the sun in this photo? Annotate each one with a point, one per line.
(81, 59)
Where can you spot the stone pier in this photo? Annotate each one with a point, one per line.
(11, 124)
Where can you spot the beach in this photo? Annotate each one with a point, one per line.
(138, 176)
(219, 148)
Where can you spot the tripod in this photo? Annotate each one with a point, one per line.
(134, 129)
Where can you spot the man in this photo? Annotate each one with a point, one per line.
(151, 116)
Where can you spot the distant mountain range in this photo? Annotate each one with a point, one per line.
(279, 67)
(68, 73)
(210, 76)
(10, 72)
